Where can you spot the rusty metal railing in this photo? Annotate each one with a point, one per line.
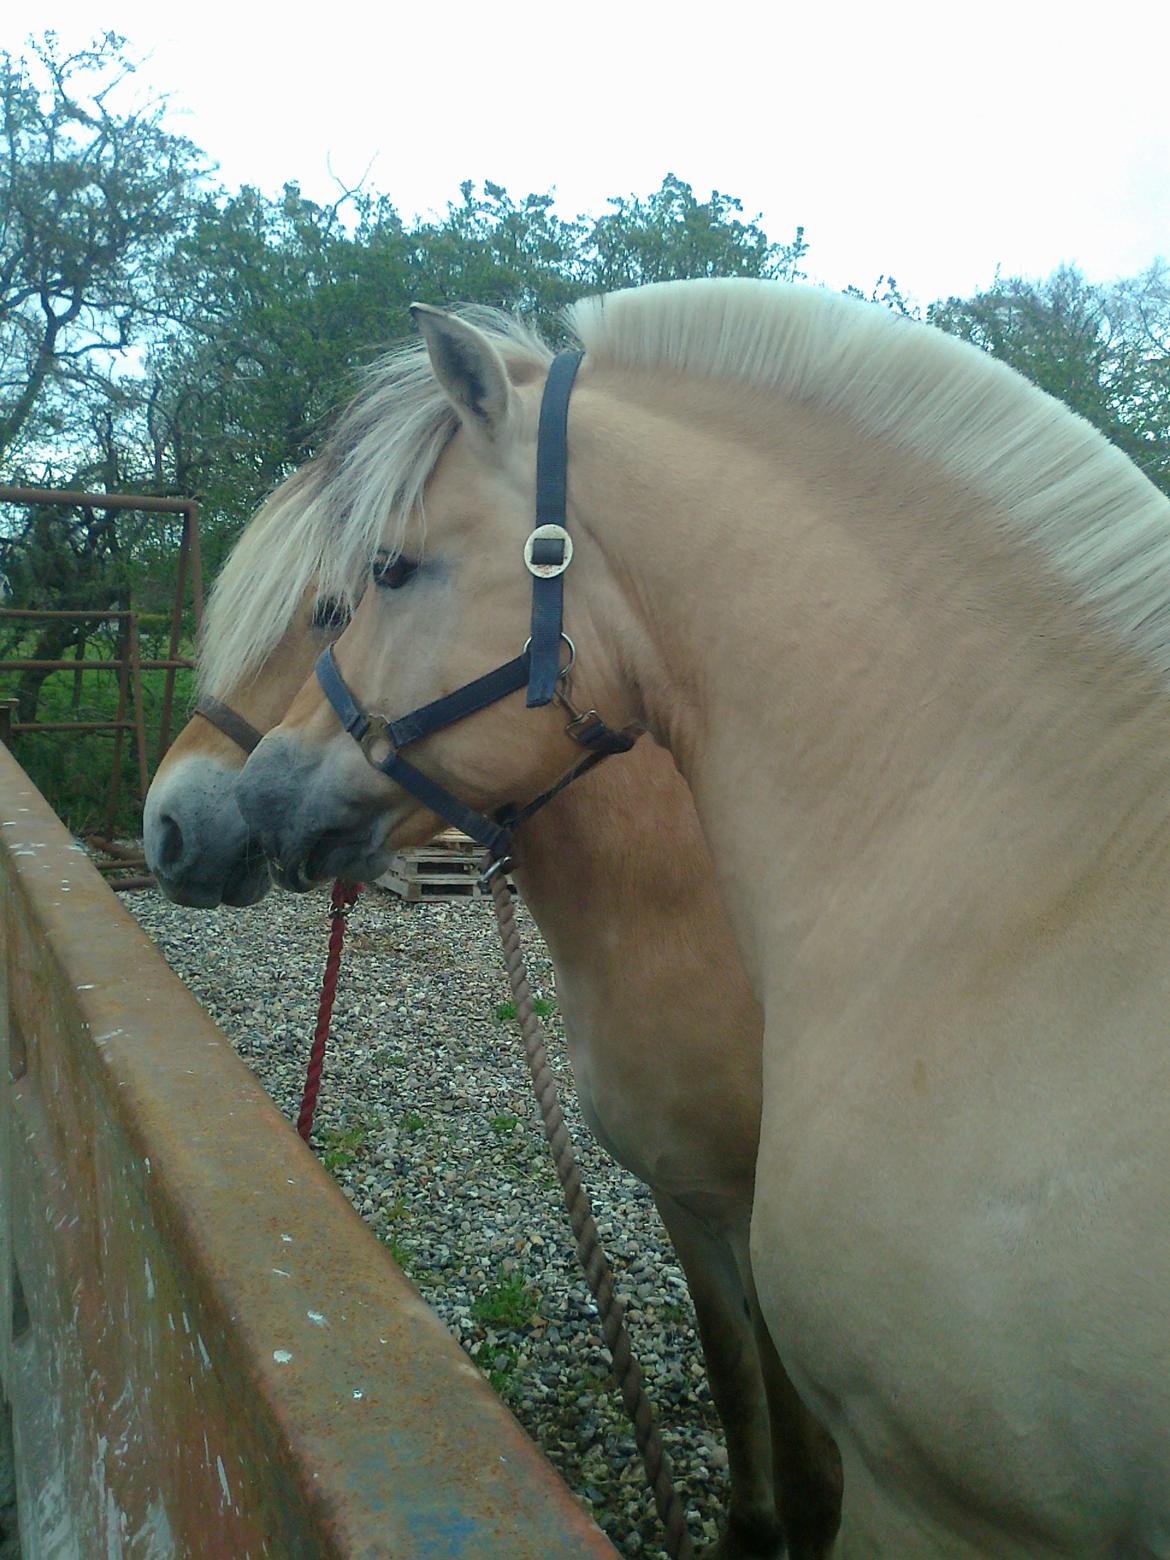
(206, 1353)
(189, 566)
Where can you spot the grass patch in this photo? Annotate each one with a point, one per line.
(501, 1373)
(405, 1258)
(507, 1303)
(412, 1121)
(541, 1006)
(342, 1145)
(73, 769)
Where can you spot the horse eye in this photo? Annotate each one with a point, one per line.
(393, 575)
(328, 612)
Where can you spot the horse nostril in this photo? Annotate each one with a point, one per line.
(170, 845)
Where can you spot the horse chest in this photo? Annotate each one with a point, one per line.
(957, 1317)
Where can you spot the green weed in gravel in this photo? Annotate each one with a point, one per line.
(541, 1006)
(341, 1145)
(507, 1303)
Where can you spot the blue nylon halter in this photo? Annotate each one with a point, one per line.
(538, 665)
(552, 462)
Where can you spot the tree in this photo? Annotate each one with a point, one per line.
(90, 195)
(93, 192)
(1102, 349)
(672, 235)
(290, 299)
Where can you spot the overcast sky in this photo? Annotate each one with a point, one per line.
(931, 142)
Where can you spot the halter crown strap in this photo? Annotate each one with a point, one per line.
(225, 719)
(552, 461)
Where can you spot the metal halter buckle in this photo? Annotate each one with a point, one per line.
(547, 561)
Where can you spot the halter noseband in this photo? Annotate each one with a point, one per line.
(547, 554)
(225, 719)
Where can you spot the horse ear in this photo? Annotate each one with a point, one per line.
(469, 369)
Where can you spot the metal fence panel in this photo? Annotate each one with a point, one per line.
(205, 1350)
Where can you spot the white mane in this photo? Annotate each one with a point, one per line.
(1051, 476)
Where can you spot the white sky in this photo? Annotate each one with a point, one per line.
(930, 141)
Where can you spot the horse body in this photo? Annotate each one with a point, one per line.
(917, 687)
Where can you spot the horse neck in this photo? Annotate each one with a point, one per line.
(623, 833)
(865, 683)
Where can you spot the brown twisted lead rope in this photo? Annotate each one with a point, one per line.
(589, 1250)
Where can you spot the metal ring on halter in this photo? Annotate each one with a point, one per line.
(501, 864)
(565, 670)
(377, 730)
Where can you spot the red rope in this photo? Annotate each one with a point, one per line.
(344, 895)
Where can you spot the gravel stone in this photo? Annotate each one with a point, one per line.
(428, 1122)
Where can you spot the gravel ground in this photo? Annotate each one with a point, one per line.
(428, 1122)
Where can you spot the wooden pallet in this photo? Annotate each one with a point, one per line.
(447, 868)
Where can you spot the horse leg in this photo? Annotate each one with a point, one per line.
(806, 1462)
(737, 1385)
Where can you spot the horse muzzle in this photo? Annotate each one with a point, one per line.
(310, 832)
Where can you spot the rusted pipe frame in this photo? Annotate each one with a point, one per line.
(71, 725)
(60, 612)
(69, 664)
(112, 848)
(67, 498)
(189, 560)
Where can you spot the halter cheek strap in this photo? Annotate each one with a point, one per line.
(548, 555)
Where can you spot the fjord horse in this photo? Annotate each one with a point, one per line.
(904, 623)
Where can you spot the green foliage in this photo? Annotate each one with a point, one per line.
(502, 1360)
(341, 1146)
(503, 1012)
(1102, 349)
(405, 1258)
(73, 769)
(671, 235)
(92, 190)
(508, 1302)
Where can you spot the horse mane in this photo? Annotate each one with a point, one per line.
(319, 530)
(1051, 478)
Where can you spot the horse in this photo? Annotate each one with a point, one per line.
(662, 1031)
(901, 619)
